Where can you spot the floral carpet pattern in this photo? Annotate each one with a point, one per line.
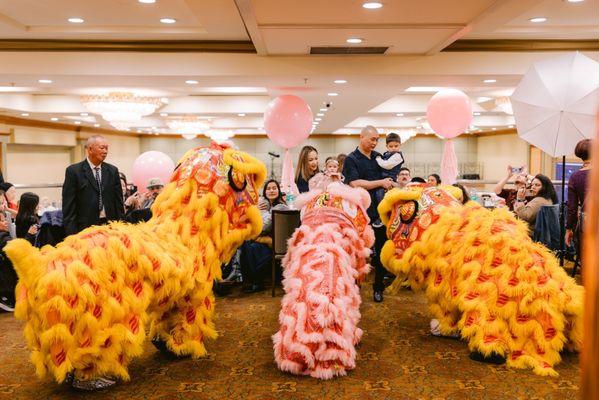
(397, 359)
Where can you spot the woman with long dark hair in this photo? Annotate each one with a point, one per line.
(27, 220)
(307, 167)
(543, 193)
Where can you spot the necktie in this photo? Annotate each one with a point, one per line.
(99, 182)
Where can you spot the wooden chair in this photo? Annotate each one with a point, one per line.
(284, 223)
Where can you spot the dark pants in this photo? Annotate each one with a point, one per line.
(255, 260)
(380, 237)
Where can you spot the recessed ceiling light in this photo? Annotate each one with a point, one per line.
(538, 19)
(168, 20)
(510, 126)
(333, 94)
(54, 119)
(372, 5)
(139, 131)
(84, 114)
(340, 81)
(490, 80)
(354, 40)
(494, 128)
(76, 20)
(191, 82)
(97, 125)
(575, 1)
(44, 80)
(317, 119)
(77, 122)
(241, 115)
(147, 1)
(323, 109)
(24, 114)
(399, 115)
(477, 113)
(320, 114)
(163, 114)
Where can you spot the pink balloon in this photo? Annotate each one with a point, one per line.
(449, 113)
(151, 164)
(288, 120)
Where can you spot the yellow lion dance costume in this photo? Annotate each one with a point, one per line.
(485, 279)
(88, 301)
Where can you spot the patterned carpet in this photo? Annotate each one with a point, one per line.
(398, 359)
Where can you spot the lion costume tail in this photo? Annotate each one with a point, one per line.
(28, 263)
(320, 310)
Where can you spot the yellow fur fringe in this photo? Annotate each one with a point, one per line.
(485, 279)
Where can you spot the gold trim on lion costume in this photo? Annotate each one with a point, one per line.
(89, 301)
(484, 277)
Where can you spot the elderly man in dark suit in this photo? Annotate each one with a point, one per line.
(91, 193)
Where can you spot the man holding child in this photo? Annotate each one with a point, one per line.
(361, 169)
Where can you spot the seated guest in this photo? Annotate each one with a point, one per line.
(543, 194)
(27, 222)
(124, 186)
(577, 190)
(10, 195)
(307, 167)
(256, 255)
(465, 196)
(154, 187)
(8, 276)
(520, 181)
(331, 174)
(6, 216)
(434, 180)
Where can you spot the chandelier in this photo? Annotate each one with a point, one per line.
(220, 135)
(121, 109)
(189, 127)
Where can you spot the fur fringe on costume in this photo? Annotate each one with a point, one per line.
(89, 301)
(484, 277)
(320, 310)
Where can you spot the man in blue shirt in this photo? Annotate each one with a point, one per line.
(360, 169)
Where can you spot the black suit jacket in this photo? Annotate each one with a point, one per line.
(80, 200)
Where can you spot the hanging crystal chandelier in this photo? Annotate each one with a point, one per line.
(188, 127)
(121, 109)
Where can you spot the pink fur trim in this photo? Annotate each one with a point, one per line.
(321, 308)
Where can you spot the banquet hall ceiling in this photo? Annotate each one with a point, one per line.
(232, 89)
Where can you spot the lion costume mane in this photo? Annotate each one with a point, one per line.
(321, 308)
(484, 277)
(89, 301)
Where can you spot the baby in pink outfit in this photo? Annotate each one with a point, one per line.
(331, 174)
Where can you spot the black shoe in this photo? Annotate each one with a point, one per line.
(378, 296)
(254, 289)
(164, 350)
(494, 358)
(7, 304)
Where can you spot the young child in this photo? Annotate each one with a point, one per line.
(390, 162)
(331, 174)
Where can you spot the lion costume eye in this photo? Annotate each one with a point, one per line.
(237, 180)
(408, 211)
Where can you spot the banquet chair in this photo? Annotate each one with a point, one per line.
(284, 223)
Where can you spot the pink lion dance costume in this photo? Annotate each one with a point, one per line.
(321, 308)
